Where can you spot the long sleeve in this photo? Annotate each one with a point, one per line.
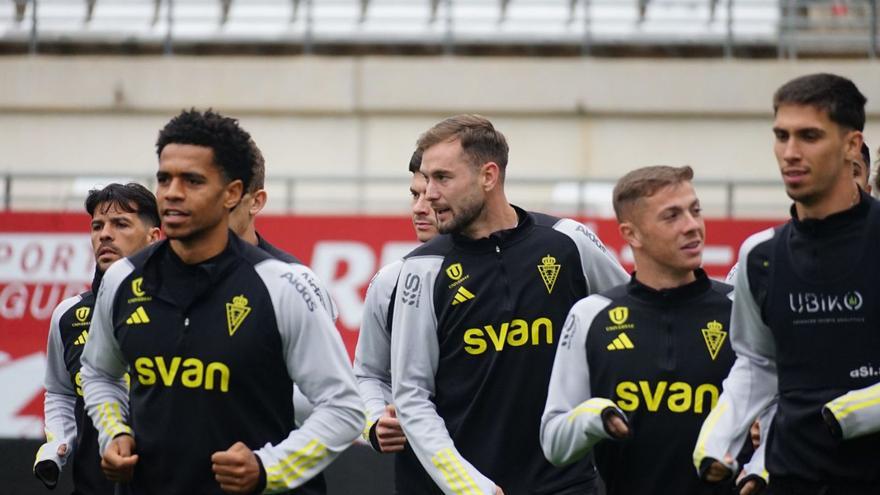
(372, 357)
(60, 400)
(756, 465)
(316, 361)
(103, 365)
(855, 413)
(600, 268)
(414, 361)
(751, 385)
(572, 421)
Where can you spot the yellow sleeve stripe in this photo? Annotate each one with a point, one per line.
(708, 426)
(592, 406)
(39, 451)
(293, 467)
(456, 476)
(841, 407)
(110, 419)
(369, 424)
(842, 412)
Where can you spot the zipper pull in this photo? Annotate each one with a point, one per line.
(497, 249)
(186, 322)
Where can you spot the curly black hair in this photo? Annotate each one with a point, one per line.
(233, 150)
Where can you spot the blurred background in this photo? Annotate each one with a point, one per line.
(336, 92)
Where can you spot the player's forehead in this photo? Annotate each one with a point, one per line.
(113, 210)
(418, 183)
(794, 117)
(446, 155)
(187, 159)
(678, 196)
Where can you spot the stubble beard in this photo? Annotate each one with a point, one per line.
(464, 219)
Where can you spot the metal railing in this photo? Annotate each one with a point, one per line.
(788, 27)
(379, 195)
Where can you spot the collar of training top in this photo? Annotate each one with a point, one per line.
(683, 293)
(213, 268)
(96, 280)
(835, 222)
(500, 237)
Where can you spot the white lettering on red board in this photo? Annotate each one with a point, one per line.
(46, 258)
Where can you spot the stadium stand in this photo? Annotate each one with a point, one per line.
(428, 22)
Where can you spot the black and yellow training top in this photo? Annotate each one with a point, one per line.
(214, 350)
(658, 357)
(475, 327)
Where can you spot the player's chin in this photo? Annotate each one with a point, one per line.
(176, 232)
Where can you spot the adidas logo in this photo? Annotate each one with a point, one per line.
(138, 317)
(620, 342)
(462, 295)
(81, 340)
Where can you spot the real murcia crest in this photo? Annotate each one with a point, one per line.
(549, 271)
(236, 312)
(714, 335)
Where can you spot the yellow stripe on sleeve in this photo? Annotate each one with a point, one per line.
(453, 480)
(592, 406)
(293, 467)
(455, 474)
(863, 395)
(708, 426)
(844, 412)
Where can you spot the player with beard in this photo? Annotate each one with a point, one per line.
(477, 317)
(124, 221)
(215, 332)
(804, 316)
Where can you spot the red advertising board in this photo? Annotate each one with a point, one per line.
(46, 257)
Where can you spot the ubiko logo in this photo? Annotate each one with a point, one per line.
(811, 302)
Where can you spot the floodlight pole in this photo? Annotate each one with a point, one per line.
(32, 46)
(169, 43)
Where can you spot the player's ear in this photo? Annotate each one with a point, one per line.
(853, 145)
(259, 203)
(154, 234)
(233, 193)
(629, 233)
(490, 175)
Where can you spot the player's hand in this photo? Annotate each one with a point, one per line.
(616, 427)
(751, 487)
(388, 431)
(236, 469)
(755, 434)
(119, 458)
(718, 471)
(614, 424)
(62, 450)
(498, 490)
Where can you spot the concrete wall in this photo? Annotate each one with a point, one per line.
(360, 116)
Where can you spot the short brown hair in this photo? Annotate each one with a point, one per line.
(644, 182)
(480, 142)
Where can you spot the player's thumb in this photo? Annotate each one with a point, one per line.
(391, 410)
